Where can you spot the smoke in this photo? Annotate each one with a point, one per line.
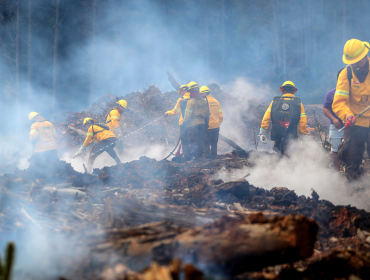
(306, 167)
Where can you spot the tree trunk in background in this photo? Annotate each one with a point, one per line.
(222, 71)
(206, 34)
(275, 28)
(344, 20)
(55, 61)
(92, 71)
(17, 51)
(29, 74)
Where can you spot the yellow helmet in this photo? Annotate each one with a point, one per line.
(32, 115)
(122, 103)
(288, 84)
(184, 87)
(205, 90)
(87, 120)
(354, 50)
(193, 85)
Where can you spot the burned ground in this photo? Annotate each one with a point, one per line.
(177, 220)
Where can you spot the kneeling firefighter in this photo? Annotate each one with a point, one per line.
(106, 141)
(287, 116)
(45, 154)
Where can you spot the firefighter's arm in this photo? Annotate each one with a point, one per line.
(302, 125)
(176, 110)
(341, 97)
(89, 137)
(220, 114)
(266, 118)
(34, 133)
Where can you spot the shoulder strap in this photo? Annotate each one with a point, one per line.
(349, 75)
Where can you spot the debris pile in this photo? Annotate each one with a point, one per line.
(149, 219)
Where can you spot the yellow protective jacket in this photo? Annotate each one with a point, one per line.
(113, 121)
(177, 110)
(42, 135)
(352, 102)
(216, 117)
(302, 125)
(97, 133)
(196, 111)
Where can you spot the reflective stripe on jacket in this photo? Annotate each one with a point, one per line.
(97, 133)
(177, 110)
(42, 134)
(302, 126)
(114, 120)
(216, 117)
(352, 102)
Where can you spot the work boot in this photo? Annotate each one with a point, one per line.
(336, 161)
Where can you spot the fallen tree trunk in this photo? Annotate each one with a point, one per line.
(228, 246)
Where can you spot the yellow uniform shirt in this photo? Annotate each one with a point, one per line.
(113, 121)
(42, 134)
(97, 133)
(216, 117)
(177, 109)
(196, 111)
(352, 102)
(302, 125)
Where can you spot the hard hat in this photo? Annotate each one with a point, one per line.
(288, 84)
(32, 115)
(184, 87)
(193, 85)
(205, 90)
(354, 50)
(87, 120)
(123, 103)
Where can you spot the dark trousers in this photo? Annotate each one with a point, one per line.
(106, 145)
(185, 142)
(281, 145)
(351, 150)
(196, 140)
(43, 164)
(210, 142)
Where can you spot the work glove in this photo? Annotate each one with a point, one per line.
(80, 151)
(262, 135)
(166, 114)
(119, 133)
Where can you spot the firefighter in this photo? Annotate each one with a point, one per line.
(195, 120)
(113, 119)
(215, 119)
(180, 109)
(287, 116)
(351, 97)
(106, 141)
(45, 154)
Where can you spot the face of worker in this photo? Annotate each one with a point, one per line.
(182, 92)
(360, 63)
(121, 109)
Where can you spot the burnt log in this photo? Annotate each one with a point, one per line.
(236, 247)
(228, 246)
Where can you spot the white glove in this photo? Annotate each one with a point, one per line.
(263, 136)
(119, 133)
(80, 151)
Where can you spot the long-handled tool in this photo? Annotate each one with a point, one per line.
(120, 139)
(349, 123)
